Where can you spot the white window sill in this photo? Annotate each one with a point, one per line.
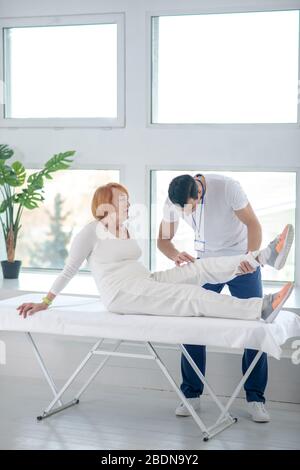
(84, 284)
(81, 284)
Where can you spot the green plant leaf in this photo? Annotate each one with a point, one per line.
(20, 171)
(30, 200)
(14, 175)
(7, 203)
(3, 206)
(35, 181)
(61, 161)
(5, 152)
(5, 173)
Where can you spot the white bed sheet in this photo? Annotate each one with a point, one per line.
(87, 316)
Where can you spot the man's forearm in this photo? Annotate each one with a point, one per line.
(167, 248)
(254, 236)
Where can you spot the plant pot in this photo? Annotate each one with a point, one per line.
(11, 269)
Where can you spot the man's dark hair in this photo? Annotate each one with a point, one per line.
(182, 188)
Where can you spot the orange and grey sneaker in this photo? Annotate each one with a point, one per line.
(277, 251)
(272, 303)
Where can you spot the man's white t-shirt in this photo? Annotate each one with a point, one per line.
(224, 234)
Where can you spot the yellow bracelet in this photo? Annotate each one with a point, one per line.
(46, 300)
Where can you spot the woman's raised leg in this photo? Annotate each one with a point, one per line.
(213, 270)
(223, 269)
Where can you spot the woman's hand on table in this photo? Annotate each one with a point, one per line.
(30, 308)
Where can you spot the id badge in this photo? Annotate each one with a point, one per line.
(199, 245)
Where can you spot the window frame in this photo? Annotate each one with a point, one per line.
(150, 71)
(214, 168)
(35, 166)
(66, 20)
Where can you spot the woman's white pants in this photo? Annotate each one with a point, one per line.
(177, 291)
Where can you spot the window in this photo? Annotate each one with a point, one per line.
(47, 231)
(225, 68)
(69, 74)
(271, 194)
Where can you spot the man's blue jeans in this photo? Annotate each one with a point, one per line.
(243, 287)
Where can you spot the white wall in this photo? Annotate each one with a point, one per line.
(137, 147)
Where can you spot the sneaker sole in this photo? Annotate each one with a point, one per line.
(263, 420)
(183, 415)
(274, 314)
(186, 413)
(282, 256)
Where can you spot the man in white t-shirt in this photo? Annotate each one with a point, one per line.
(224, 223)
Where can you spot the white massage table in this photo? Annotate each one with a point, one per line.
(87, 317)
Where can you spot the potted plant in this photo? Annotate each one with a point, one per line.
(12, 176)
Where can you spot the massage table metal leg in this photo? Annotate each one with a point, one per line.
(57, 409)
(224, 420)
(208, 432)
(165, 371)
(204, 381)
(96, 372)
(219, 427)
(58, 395)
(43, 367)
(240, 384)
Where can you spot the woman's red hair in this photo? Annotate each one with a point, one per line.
(104, 195)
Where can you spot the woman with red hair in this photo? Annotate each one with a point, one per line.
(127, 286)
